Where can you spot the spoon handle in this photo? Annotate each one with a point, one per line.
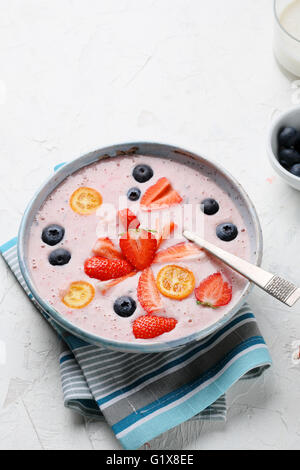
(273, 284)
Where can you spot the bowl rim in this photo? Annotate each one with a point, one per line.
(272, 157)
(278, 22)
(129, 346)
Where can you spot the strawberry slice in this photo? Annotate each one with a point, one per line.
(160, 196)
(105, 286)
(138, 247)
(105, 269)
(214, 291)
(165, 232)
(105, 248)
(178, 252)
(129, 219)
(150, 326)
(147, 292)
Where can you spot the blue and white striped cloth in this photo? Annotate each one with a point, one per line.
(141, 396)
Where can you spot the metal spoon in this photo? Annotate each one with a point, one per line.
(273, 284)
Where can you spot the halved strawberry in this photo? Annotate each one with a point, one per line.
(147, 292)
(160, 196)
(105, 248)
(214, 291)
(178, 252)
(138, 247)
(105, 286)
(129, 219)
(165, 232)
(105, 269)
(150, 326)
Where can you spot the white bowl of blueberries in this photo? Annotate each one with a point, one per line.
(284, 146)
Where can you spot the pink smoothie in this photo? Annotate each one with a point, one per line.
(112, 177)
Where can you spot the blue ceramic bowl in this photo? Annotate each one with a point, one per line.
(224, 179)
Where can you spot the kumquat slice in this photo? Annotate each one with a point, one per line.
(79, 295)
(175, 282)
(85, 201)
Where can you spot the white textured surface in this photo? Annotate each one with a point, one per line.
(78, 75)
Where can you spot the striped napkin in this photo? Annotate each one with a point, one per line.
(142, 395)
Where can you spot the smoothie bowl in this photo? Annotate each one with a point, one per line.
(101, 247)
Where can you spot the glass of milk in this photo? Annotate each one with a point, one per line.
(287, 34)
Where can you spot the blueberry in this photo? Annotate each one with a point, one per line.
(59, 257)
(297, 143)
(288, 137)
(295, 170)
(134, 194)
(288, 157)
(142, 173)
(124, 306)
(227, 232)
(209, 206)
(53, 234)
